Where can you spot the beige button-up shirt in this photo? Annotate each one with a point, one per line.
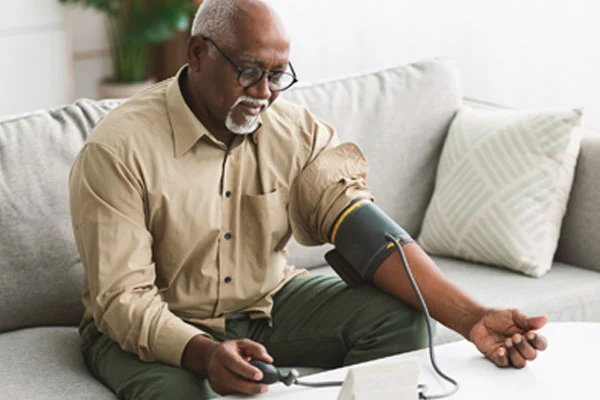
(176, 230)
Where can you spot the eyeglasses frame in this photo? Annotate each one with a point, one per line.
(241, 70)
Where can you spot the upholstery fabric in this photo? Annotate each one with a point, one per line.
(580, 236)
(502, 187)
(45, 363)
(399, 118)
(41, 276)
(566, 293)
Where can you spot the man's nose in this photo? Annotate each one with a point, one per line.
(261, 90)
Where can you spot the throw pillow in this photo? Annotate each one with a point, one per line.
(502, 187)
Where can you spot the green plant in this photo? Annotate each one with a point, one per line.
(133, 26)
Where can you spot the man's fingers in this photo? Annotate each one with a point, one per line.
(537, 322)
(538, 341)
(526, 323)
(247, 387)
(254, 350)
(499, 357)
(229, 382)
(516, 359)
(524, 347)
(236, 364)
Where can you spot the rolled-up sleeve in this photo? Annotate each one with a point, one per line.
(335, 175)
(108, 215)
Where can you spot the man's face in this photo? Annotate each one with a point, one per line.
(227, 103)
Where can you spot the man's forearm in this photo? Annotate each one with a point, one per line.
(445, 302)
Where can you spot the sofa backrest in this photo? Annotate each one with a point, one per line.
(399, 118)
(41, 276)
(580, 233)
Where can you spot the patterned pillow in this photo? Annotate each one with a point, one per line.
(502, 187)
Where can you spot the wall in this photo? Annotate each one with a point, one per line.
(34, 63)
(521, 53)
(90, 54)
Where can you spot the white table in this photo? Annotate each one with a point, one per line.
(568, 369)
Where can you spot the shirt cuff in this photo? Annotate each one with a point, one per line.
(174, 337)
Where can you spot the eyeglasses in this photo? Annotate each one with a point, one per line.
(278, 81)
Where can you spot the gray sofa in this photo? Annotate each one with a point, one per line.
(399, 117)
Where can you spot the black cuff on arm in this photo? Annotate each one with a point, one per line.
(360, 243)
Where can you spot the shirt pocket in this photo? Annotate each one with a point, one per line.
(265, 225)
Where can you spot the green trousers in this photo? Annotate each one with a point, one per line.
(318, 321)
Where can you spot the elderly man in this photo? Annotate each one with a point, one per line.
(182, 201)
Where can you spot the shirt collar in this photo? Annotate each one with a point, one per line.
(187, 128)
(258, 130)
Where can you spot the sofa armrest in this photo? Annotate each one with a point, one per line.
(579, 243)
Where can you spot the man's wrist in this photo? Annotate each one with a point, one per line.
(475, 314)
(197, 353)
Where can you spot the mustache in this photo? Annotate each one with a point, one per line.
(251, 100)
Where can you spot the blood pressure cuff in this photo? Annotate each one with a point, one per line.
(359, 235)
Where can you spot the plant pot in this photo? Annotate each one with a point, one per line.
(115, 90)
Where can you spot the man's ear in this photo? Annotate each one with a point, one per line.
(196, 49)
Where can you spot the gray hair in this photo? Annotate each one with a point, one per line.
(214, 19)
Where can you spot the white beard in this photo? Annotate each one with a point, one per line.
(250, 123)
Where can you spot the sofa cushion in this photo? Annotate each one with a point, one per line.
(41, 276)
(399, 117)
(566, 293)
(502, 187)
(45, 363)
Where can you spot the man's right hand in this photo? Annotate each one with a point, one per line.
(226, 365)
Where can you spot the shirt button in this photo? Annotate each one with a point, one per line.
(228, 236)
(227, 279)
(228, 194)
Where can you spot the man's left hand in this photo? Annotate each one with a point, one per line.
(508, 337)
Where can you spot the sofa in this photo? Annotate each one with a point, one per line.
(399, 117)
